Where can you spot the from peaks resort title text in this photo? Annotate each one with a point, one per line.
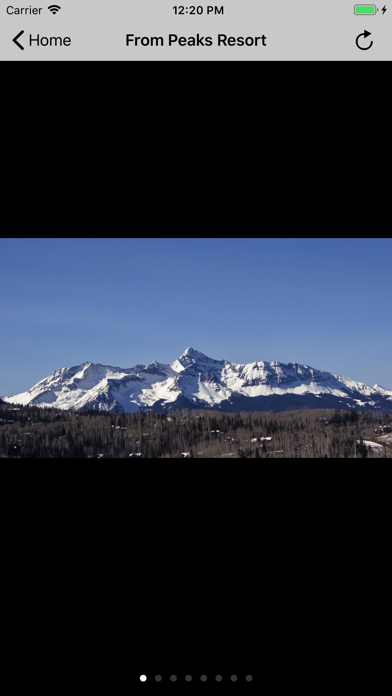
(198, 40)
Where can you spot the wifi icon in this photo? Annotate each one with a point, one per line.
(54, 8)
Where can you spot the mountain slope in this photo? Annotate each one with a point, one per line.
(196, 381)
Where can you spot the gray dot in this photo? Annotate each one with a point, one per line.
(173, 677)
(249, 677)
(188, 677)
(218, 677)
(203, 677)
(233, 677)
(158, 677)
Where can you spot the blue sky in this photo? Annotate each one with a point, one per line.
(320, 302)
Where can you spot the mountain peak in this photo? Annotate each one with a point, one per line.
(192, 354)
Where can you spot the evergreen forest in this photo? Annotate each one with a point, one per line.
(33, 431)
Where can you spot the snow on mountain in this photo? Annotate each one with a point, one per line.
(196, 381)
(382, 390)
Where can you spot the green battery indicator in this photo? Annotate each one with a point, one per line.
(365, 9)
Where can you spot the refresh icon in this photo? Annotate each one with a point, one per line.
(365, 34)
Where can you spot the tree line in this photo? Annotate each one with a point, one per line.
(321, 433)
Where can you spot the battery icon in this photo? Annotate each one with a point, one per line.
(365, 9)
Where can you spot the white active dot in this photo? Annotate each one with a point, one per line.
(143, 677)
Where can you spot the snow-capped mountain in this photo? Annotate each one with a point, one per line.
(197, 381)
